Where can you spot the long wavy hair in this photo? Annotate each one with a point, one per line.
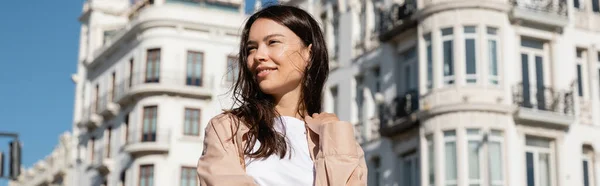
(256, 109)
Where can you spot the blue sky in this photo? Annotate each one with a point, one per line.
(38, 49)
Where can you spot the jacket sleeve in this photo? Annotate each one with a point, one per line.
(341, 158)
(220, 160)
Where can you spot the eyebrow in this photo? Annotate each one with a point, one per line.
(267, 38)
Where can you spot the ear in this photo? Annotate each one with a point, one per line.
(308, 51)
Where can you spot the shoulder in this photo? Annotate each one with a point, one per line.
(224, 123)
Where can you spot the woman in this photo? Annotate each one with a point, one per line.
(278, 135)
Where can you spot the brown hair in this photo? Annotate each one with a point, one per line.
(256, 109)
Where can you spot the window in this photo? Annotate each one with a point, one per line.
(108, 139)
(189, 176)
(471, 53)
(448, 54)
(533, 65)
(92, 141)
(475, 147)
(336, 32)
(114, 86)
(375, 171)
(410, 169)
(431, 159)
(232, 69)
(192, 122)
(410, 67)
(359, 98)
(429, 61)
(122, 177)
(376, 73)
(334, 96)
(588, 166)
(126, 128)
(450, 157)
(149, 125)
(495, 158)
(97, 98)
(194, 68)
(108, 35)
(539, 161)
(130, 72)
(146, 175)
(596, 6)
(493, 55)
(577, 4)
(153, 66)
(581, 61)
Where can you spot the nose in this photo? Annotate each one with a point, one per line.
(261, 54)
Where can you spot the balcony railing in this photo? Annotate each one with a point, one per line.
(148, 141)
(544, 99)
(557, 7)
(166, 82)
(395, 115)
(396, 19)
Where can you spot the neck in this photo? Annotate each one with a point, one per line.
(287, 103)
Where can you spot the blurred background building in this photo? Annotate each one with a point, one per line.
(442, 92)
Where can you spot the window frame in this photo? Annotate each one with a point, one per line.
(195, 80)
(198, 122)
(471, 78)
(153, 57)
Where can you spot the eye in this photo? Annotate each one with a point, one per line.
(273, 42)
(250, 49)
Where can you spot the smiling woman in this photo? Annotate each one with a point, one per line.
(278, 134)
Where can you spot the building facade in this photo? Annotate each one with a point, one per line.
(469, 92)
(150, 75)
(54, 170)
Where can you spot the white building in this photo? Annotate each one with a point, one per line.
(472, 92)
(151, 73)
(54, 170)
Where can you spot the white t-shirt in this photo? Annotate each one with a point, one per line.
(296, 168)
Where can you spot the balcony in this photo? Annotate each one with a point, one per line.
(547, 13)
(89, 117)
(141, 143)
(397, 19)
(546, 107)
(101, 162)
(401, 114)
(170, 83)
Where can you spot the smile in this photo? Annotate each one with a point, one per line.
(264, 71)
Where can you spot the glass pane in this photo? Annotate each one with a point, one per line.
(429, 66)
(579, 81)
(407, 172)
(470, 29)
(537, 142)
(474, 160)
(493, 57)
(544, 169)
(431, 161)
(532, 43)
(470, 54)
(472, 131)
(496, 133)
(448, 59)
(495, 152)
(449, 133)
(539, 79)
(530, 169)
(446, 31)
(450, 153)
(586, 176)
(491, 31)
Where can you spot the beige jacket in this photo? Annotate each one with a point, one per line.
(338, 158)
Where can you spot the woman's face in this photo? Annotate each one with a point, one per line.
(276, 57)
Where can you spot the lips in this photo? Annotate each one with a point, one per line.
(263, 71)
